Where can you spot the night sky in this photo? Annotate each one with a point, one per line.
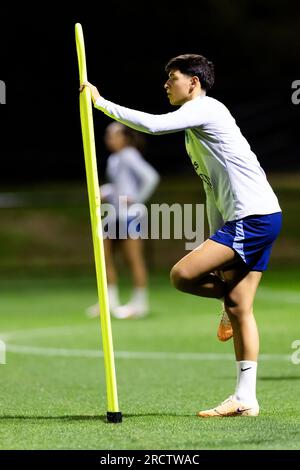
(254, 44)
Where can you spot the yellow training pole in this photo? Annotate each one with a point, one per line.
(87, 128)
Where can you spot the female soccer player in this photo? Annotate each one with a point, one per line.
(130, 176)
(243, 211)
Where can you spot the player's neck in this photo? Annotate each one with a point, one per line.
(195, 94)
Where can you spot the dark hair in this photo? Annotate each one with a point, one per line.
(134, 138)
(194, 65)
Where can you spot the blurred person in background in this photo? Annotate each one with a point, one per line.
(130, 176)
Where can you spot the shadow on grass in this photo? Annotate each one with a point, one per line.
(56, 418)
(291, 377)
(92, 417)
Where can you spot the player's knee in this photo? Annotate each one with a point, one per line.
(179, 277)
(238, 310)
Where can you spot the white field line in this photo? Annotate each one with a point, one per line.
(94, 353)
(263, 293)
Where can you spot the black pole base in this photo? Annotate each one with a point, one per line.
(114, 416)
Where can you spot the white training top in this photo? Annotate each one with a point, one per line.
(235, 184)
(130, 175)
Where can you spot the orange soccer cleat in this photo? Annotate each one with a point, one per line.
(225, 331)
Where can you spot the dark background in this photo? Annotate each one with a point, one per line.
(254, 44)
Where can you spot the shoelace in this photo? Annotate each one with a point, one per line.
(225, 406)
(225, 319)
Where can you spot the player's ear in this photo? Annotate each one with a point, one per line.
(194, 82)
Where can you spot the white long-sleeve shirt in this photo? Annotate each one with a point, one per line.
(131, 176)
(235, 184)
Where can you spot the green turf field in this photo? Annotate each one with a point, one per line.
(169, 365)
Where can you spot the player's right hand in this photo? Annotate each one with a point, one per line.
(94, 91)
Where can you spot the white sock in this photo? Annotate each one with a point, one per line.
(139, 296)
(113, 295)
(245, 391)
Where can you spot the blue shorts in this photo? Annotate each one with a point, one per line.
(128, 221)
(251, 237)
(120, 229)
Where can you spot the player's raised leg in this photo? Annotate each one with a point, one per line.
(241, 286)
(195, 273)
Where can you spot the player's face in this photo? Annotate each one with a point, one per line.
(114, 138)
(178, 87)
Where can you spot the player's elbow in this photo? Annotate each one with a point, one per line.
(154, 130)
(155, 180)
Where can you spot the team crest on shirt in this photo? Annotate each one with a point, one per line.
(204, 177)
